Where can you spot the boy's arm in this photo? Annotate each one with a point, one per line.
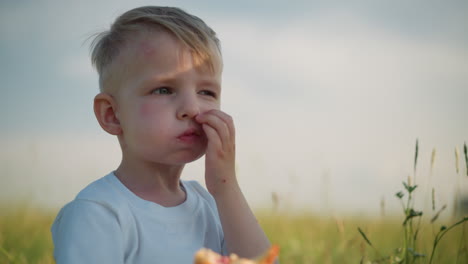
(242, 233)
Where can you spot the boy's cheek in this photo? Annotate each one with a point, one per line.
(144, 110)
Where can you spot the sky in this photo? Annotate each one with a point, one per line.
(328, 99)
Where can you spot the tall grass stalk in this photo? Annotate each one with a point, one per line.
(456, 203)
(443, 230)
(465, 150)
(409, 253)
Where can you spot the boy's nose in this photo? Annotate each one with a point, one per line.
(188, 109)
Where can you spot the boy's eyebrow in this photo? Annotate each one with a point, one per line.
(158, 79)
(163, 78)
(172, 79)
(211, 83)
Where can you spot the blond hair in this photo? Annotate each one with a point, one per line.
(187, 28)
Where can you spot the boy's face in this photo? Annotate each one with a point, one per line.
(160, 92)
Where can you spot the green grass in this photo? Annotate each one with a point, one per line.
(313, 239)
(306, 238)
(408, 238)
(25, 235)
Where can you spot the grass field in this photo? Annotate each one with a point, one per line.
(304, 238)
(25, 235)
(312, 239)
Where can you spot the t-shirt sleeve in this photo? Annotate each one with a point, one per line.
(87, 232)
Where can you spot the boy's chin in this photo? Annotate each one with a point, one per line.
(194, 158)
(188, 158)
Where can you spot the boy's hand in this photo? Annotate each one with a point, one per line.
(242, 233)
(220, 152)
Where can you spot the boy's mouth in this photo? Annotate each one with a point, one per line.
(190, 135)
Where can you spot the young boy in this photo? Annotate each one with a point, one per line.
(160, 85)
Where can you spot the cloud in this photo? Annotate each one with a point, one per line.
(340, 53)
(339, 94)
(336, 90)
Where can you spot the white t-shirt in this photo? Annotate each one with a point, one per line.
(107, 223)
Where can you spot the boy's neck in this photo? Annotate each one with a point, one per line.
(158, 183)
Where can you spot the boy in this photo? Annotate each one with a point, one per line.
(160, 83)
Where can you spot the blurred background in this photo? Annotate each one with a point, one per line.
(328, 100)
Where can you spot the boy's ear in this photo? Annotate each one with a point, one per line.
(105, 111)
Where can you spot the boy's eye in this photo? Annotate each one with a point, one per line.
(162, 90)
(207, 92)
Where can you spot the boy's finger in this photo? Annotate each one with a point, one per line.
(213, 138)
(220, 127)
(226, 118)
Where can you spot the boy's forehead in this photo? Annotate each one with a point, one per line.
(149, 53)
(148, 44)
(143, 45)
(156, 45)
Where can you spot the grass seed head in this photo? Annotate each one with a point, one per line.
(438, 213)
(457, 167)
(382, 206)
(416, 154)
(466, 157)
(433, 157)
(433, 199)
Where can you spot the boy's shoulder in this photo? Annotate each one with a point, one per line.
(97, 190)
(100, 191)
(98, 196)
